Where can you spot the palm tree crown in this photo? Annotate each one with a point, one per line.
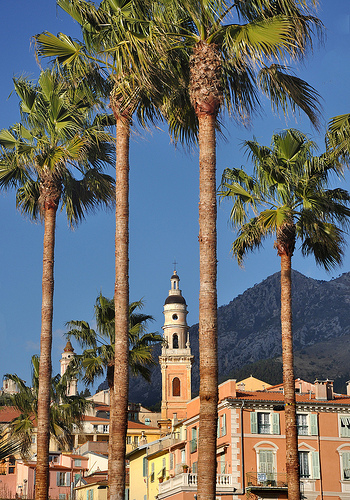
(289, 198)
(98, 344)
(57, 134)
(65, 411)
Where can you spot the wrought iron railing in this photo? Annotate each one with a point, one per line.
(266, 479)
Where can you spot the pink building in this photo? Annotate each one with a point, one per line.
(17, 477)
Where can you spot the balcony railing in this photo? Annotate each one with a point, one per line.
(188, 482)
(266, 480)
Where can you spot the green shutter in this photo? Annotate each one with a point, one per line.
(224, 424)
(145, 467)
(275, 423)
(253, 423)
(315, 465)
(218, 428)
(313, 424)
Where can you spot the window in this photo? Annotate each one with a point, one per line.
(128, 439)
(303, 429)
(304, 464)
(77, 462)
(264, 423)
(175, 341)
(136, 440)
(62, 496)
(223, 424)
(171, 461)
(346, 465)
(163, 468)
(90, 495)
(105, 428)
(222, 464)
(309, 464)
(307, 424)
(63, 478)
(195, 467)
(95, 428)
(193, 439)
(152, 472)
(147, 421)
(266, 461)
(12, 465)
(176, 386)
(145, 467)
(345, 426)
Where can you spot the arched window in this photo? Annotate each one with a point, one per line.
(175, 341)
(176, 386)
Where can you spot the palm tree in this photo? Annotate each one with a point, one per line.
(98, 355)
(228, 64)
(289, 198)
(338, 136)
(119, 36)
(57, 134)
(65, 411)
(220, 64)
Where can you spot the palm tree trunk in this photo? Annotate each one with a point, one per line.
(119, 408)
(207, 310)
(43, 435)
(292, 458)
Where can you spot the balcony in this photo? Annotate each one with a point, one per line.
(267, 481)
(188, 482)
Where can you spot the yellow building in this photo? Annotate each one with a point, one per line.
(150, 464)
(252, 384)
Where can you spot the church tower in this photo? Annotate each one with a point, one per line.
(67, 355)
(176, 358)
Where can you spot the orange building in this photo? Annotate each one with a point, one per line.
(251, 445)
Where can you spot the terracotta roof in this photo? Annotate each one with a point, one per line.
(87, 418)
(93, 479)
(138, 425)
(300, 398)
(8, 413)
(74, 456)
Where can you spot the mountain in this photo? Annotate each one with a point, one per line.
(249, 332)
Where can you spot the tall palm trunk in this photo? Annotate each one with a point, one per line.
(207, 311)
(285, 247)
(119, 399)
(43, 435)
(205, 91)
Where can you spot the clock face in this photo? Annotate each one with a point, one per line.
(175, 316)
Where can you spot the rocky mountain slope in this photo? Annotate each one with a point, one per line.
(249, 331)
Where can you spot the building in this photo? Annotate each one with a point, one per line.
(251, 447)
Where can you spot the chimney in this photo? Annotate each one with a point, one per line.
(330, 392)
(348, 387)
(324, 390)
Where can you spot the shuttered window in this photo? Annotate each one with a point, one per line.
(346, 465)
(345, 426)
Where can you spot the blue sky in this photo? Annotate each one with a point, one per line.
(163, 202)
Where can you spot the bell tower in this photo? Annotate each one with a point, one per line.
(176, 359)
(67, 355)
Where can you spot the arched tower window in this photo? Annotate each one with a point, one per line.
(175, 341)
(176, 386)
